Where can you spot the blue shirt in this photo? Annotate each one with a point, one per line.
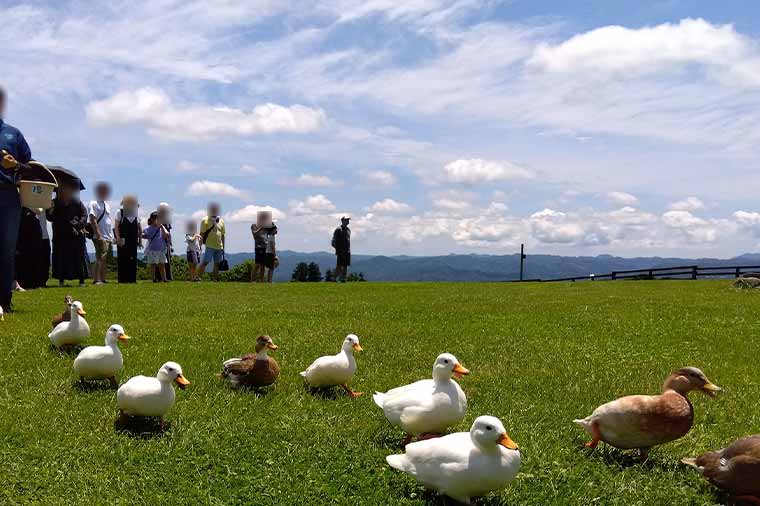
(12, 141)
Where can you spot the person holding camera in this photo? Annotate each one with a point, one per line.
(341, 241)
(13, 150)
(213, 235)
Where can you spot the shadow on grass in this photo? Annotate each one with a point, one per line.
(67, 351)
(143, 427)
(259, 392)
(623, 459)
(328, 394)
(94, 386)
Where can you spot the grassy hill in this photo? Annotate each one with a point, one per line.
(541, 355)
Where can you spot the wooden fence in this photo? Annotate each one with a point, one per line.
(679, 272)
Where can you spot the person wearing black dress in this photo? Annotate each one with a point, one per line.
(69, 217)
(127, 231)
(32, 250)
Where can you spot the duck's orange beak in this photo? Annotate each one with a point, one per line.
(460, 371)
(357, 347)
(124, 337)
(182, 382)
(272, 346)
(505, 441)
(711, 389)
(81, 312)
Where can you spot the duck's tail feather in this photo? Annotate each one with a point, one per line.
(400, 462)
(303, 374)
(585, 423)
(379, 399)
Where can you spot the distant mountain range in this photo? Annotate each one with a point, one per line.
(484, 267)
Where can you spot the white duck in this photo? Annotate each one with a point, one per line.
(102, 362)
(337, 369)
(72, 332)
(427, 406)
(2, 315)
(146, 396)
(463, 465)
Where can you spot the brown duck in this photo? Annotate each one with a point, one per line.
(66, 314)
(254, 369)
(735, 469)
(644, 421)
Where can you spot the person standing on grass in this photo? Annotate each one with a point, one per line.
(270, 259)
(341, 241)
(213, 235)
(101, 223)
(127, 233)
(259, 252)
(193, 241)
(32, 251)
(69, 219)
(158, 241)
(165, 215)
(13, 150)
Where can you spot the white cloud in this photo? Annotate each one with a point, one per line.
(748, 222)
(552, 226)
(695, 229)
(214, 188)
(390, 206)
(154, 109)
(687, 204)
(312, 205)
(648, 50)
(248, 214)
(188, 166)
(622, 198)
(247, 168)
(381, 178)
(318, 180)
(476, 170)
(451, 204)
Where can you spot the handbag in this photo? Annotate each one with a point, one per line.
(224, 265)
(89, 230)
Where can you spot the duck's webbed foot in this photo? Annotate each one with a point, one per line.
(595, 435)
(350, 392)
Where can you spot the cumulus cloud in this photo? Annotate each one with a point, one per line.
(312, 205)
(248, 214)
(622, 198)
(155, 110)
(552, 226)
(695, 229)
(748, 222)
(381, 178)
(214, 188)
(477, 170)
(390, 206)
(617, 49)
(687, 204)
(314, 180)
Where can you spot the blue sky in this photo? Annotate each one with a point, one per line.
(440, 126)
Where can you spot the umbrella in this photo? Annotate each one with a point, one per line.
(64, 175)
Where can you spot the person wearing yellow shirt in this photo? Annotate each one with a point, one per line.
(213, 234)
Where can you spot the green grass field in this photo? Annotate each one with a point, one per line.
(541, 355)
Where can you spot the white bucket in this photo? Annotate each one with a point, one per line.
(37, 194)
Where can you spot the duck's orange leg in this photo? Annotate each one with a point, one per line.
(351, 392)
(596, 436)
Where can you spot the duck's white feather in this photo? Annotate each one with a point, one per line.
(72, 332)
(145, 396)
(426, 406)
(98, 362)
(331, 370)
(454, 466)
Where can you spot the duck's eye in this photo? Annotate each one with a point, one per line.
(446, 361)
(488, 427)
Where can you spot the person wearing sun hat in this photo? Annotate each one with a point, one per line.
(341, 241)
(13, 150)
(127, 234)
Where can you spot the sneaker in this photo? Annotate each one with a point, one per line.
(98, 283)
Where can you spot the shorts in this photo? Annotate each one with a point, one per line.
(193, 257)
(269, 260)
(260, 257)
(102, 248)
(212, 255)
(344, 258)
(156, 257)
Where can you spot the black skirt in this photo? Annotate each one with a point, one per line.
(70, 259)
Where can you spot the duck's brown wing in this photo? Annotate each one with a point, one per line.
(748, 446)
(240, 367)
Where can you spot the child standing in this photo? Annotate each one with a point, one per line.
(155, 252)
(193, 240)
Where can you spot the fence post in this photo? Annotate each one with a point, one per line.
(738, 272)
(694, 272)
(613, 276)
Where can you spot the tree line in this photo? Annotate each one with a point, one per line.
(311, 273)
